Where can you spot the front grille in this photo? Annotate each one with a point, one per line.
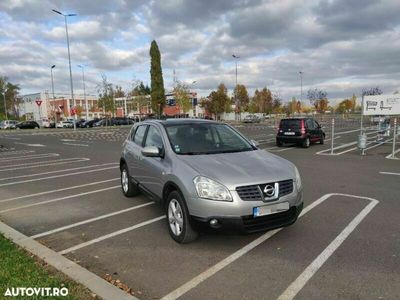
(285, 187)
(253, 192)
(255, 224)
(249, 193)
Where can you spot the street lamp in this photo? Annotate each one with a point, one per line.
(236, 57)
(193, 108)
(69, 60)
(84, 90)
(301, 85)
(5, 106)
(52, 88)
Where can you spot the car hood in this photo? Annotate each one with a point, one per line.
(241, 168)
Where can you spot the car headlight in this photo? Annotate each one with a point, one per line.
(298, 179)
(210, 189)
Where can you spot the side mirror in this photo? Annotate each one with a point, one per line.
(255, 143)
(151, 151)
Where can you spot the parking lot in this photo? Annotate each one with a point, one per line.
(62, 189)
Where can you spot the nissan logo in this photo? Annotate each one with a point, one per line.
(269, 190)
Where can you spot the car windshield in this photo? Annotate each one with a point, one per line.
(293, 124)
(203, 138)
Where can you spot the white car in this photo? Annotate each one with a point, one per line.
(65, 124)
(8, 124)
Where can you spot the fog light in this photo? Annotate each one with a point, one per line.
(214, 223)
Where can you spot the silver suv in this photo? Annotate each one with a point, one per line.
(209, 176)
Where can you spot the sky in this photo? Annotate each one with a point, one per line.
(341, 46)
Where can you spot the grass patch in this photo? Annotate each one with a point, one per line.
(18, 268)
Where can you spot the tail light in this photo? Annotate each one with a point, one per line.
(303, 129)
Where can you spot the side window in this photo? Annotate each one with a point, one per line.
(153, 138)
(310, 124)
(139, 135)
(316, 125)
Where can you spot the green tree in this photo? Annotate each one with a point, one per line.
(242, 97)
(106, 95)
(118, 92)
(181, 92)
(157, 81)
(219, 101)
(277, 104)
(263, 100)
(318, 98)
(11, 92)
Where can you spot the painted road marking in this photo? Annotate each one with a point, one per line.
(58, 199)
(31, 145)
(91, 220)
(33, 156)
(390, 155)
(107, 236)
(239, 253)
(296, 286)
(57, 176)
(7, 153)
(78, 145)
(58, 190)
(57, 171)
(389, 173)
(45, 163)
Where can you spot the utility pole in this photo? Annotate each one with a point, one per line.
(5, 105)
(84, 90)
(52, 89)
(301, 85)
(236, 57)
(69, 60)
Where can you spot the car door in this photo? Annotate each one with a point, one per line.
(133, 152)
(154, 167)
(318, 130)
(311, 129)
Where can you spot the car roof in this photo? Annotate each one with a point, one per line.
(181, 121)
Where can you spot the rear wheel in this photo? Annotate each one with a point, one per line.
(178, 219)
(306, 142)
(321, 141)
(129, 189)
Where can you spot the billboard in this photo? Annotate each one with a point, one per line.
(381, 105)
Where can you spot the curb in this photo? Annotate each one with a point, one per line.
(96, 284)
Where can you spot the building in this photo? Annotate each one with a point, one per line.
(39, 106)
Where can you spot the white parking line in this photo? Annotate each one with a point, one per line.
(57, 171)
(33, 156)
(239, 253)
(58, 190)
(390, 155)
(14, 152)
(296, 286)
(57, 176)
(78, 145)
(390, 173)
(58, 199)
(107, 236)
(44, 164)
(91, 220)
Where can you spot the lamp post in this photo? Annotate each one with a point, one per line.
(301, 85)
(84, 90)
(69, 60)
(52, 88)
(193, 108)
(5, 105)
(236, 57)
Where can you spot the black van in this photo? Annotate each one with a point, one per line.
(302, 131)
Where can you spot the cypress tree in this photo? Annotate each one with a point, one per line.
(157, 81)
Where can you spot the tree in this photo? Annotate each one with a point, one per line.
(372, 91)
(106, 95)
(181, 92)
(11, 92)
(219, 101)
(242, 97)
(292, 106)
(263, 101)
(118, 92)
(277, 104)
(318, 98)
(157, 81)
(138, 88)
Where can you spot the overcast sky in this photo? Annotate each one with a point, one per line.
(341, 46)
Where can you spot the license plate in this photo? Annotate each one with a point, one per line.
(289, 133)
(270, 209)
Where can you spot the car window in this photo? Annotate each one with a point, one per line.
(316, 125)
(139, 135)
(293, 124)
(310, 124)
(153, 138)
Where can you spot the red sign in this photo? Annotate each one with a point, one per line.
(73, 111)
(39, 102)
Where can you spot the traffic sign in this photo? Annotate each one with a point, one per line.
(381, 105)
(39, 102)
(73, 111)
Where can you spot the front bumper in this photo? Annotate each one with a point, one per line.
(248, 223)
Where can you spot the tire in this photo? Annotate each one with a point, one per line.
(279, 143)
(178, 219)
(321, 141)
(129, 189)
(306, 142)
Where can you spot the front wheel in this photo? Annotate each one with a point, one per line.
(178, 219)
(129, 189)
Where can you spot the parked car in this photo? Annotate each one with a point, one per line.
(302, 131)
(251, 119)
(8, 124)
(65, 124)
(123, 121)
(104, 122)
(80, 122)
(89, 123)
(27, 125)
(209, 176)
